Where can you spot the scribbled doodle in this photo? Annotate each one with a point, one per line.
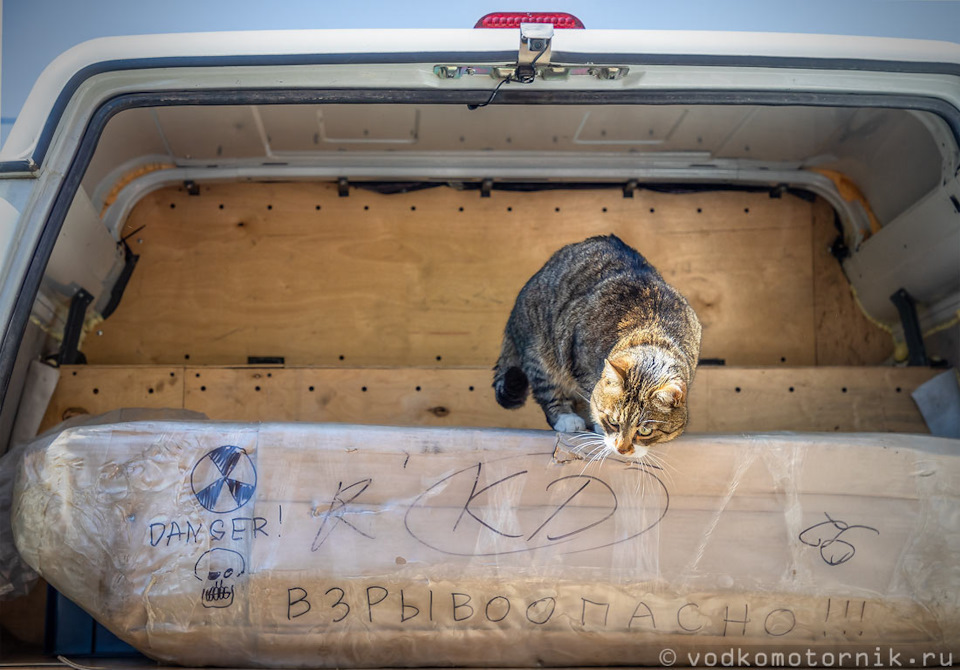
(224, 480)
(219, 570)
(834, 538)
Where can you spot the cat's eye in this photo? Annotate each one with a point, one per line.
(645, 430)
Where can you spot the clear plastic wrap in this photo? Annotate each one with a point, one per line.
(332, 545)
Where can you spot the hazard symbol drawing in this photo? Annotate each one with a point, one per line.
(224, 480)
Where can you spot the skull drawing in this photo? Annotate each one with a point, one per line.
(219, 569)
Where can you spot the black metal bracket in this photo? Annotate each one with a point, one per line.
(486, 188)
(193, 188)
(911, 327)
(712, 361)
(69, 354)
(629, 188)
(343, 187)
(265, 360)
(120, 285)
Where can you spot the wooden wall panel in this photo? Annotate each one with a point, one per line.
(724, 400)
(862, 399)
(89, 389)
(292, 270)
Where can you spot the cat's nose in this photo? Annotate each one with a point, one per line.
(624, 447)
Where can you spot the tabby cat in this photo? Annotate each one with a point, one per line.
(602, 340)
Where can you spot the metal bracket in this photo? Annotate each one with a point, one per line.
(533, 60)
(69, 354)
(120, 285)
(550, 72)
(535, 44)
(486, 188)
(905, 304)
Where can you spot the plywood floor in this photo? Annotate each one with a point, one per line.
(428, 278)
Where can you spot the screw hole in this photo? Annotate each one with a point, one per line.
(366, 208)
(149, 390)
(737, 389)
(413, 209)
(439, 358)
(844, 389)
(173, 205)
(699, 210)
(783, 359)
(221, 205)
(604, 210)
(173, 374)
(96, 391)
(341, 357)
(746, 210)
(203, 388)
(471, 388)
(652, 210)
(318, 208)
(509, 209)
(363, 388)
(418, 388)
(74, 373)
(269, 374)
(461, 209)
(898, 388)
(256, 388)
(186, 357)
(269, 206)
(198, 375)
(791, 389)
(556, 209)
(311, 389)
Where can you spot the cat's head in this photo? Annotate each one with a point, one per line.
(640, 400)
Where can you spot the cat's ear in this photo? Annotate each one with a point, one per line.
(670, 395)
(615, 371)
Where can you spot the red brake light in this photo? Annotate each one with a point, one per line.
(514, 19)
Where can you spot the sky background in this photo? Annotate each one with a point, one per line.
(36, 31)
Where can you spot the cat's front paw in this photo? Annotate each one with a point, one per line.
(569, 423)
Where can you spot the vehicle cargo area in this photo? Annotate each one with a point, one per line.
(345, 263)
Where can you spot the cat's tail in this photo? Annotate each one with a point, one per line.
(509, 381)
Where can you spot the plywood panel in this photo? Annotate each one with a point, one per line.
(844, 334)
(721, 399)
(811, 399)
(86, 389)
(428, 278)
(411, 397)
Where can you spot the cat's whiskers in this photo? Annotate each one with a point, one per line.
(665, 468)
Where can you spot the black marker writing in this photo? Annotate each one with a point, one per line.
(336, 513)
(826, 535)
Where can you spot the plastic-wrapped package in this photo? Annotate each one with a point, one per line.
(16, 577)
(331, 545)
